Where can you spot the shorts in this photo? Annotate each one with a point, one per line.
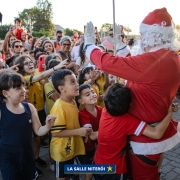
(87, 158)
(42, 118)
(59, 168)
(17, 167)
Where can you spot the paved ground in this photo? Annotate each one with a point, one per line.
(170, 167)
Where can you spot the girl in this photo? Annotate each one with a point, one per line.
(17, 121)
(81, 61)
(89, 116)
(36, 94)
(48, 47)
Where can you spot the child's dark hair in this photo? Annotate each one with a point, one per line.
(10, 80)
(81, 88)
(81, 53)
(117, 99)
(52, 63)
(58, 78)
(18, 19)
(20, 60)
(83, 72)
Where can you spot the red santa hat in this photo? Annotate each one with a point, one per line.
(159, 17)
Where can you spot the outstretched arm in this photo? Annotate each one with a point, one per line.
(158, 131)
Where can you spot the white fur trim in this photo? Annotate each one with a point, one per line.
(90, 49)
(157, 147)
(145, 27)
(159, 35)
(139, 128)
(124, 52)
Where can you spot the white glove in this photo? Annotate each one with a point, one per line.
(119, 44)
(89, 35)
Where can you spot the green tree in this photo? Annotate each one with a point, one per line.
(70, 32)
(44, 16)
(4, 29)
(41, 32)
(105, 28)
(28, 17)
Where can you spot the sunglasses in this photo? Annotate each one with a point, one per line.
(59, 37)
(28, 63)
(18, 46)
(66, 44)
(111, 35)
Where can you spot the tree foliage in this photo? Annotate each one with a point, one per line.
(44, 16)
(4, 29)
(28, 17)
(70, 32)
(38, 17)
(105, 28)
(41, 32)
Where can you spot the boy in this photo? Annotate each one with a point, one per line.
(115, 125)
(89, 116)
(17, 29)
(66, 142)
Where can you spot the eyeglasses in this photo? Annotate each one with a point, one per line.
(28, 63)
(66, 44)
(18, 46)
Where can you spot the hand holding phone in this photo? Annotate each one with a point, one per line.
(41, 63)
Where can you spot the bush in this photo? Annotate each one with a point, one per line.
(41, 33)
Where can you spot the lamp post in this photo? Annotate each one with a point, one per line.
(113, 1)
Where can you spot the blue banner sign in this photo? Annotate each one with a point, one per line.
(90, 168)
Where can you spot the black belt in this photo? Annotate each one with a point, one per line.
(146, 160)
(143, 157)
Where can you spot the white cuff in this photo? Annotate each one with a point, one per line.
(90, 49)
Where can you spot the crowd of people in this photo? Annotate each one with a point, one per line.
(73, 96)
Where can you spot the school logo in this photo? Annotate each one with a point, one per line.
(30, 121)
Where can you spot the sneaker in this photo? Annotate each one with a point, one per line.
(44, 144)
(40, 162)
(52, 166)
(40, 173)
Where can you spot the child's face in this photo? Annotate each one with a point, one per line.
(28, 66)
(18, 24)
(88, 96)
(48, 48)
(112, 79)
(27, 92)
(71, 87)
(15, 95)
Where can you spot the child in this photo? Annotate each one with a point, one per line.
(51, 95)
(17, 29)
(36, 96)
(89, 116)
(88, 75)
(115, 125)
(67, 142)
(17, 121)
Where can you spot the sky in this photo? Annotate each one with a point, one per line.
(75, 14)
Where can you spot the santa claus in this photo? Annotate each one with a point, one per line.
(153, 77)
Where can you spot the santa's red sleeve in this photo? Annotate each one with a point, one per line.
(134, 68)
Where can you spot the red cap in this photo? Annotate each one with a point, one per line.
(158, 16)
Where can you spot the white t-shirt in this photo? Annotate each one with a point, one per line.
(78, 62)
(75, 52)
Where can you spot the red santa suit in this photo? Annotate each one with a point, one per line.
(154, 78)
